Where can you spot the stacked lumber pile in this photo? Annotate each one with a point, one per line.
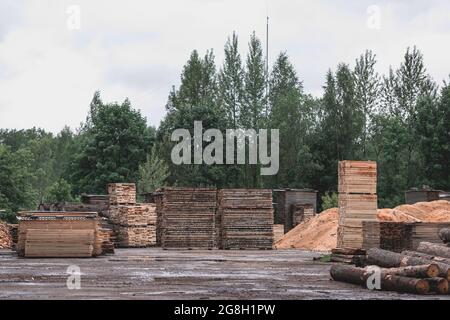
(134, 224)
(300, 213)
(5, 236)
(188, 218)
(158, 197)
(246, 218)
(59, 234)
(278, 232)
(426, 270)
(399, 236)
(122, 193)
(357, 201)
(14, 234)
(348, 256)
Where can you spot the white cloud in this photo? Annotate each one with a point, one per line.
(137, 48)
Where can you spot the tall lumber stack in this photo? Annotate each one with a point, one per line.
(158, 197)
(134, 224)
(246, 218)
(357, 201)
(59, 234)
(188, 218)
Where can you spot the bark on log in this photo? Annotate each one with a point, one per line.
(426, 256)
(434, 249)
(422, 271)
(389, 282)
(388, 259)
(403, 284)
(438, 285)
(444, 234)
(348, 274)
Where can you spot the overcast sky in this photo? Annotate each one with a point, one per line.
(51, 62)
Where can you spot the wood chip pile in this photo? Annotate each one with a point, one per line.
(357, 201)
(246, 218)
(188, 218)
(423, 271)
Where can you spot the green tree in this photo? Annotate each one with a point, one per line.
(115, 140)
(58, 192)
(153, 173)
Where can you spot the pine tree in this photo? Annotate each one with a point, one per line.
(153, 173)
(231, 81)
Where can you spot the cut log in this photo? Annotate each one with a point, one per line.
(403, 284)
(389, 282)
(422, 271)
(444, 234)
(348, 274)
(426, 256)
(388, 259)
(438, 285)
(434, 249)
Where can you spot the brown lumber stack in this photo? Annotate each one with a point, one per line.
(300, 213)
(134, 225)
(5, 236)
(59, 234)
(122, 193)
(188, 218)
(14, 233)
(348, 256)
(278, 232)
(158, 197)
(427, 232)
(246, 217)
(357, 202)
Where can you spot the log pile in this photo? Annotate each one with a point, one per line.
(444, 234)
(14, 234)
(426, 270)
(357, 202)
(122, 193)
(134, 224)
(60, 234)
(188, 218)
(246, 218)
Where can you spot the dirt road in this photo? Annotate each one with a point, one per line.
(157, 274)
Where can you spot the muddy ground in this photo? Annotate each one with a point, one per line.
(159, 274)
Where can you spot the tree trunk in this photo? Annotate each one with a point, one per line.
(389, 282)
(349, 274)
(434, 249)
(438, 285)
(444, 234)
(388, 259)
(403, 284)
(426, 256)
(423, 271)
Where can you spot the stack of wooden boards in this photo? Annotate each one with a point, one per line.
(134, 224)
(300, 213)
(399, 236)
(278, 232)
(357, 201)
(426, 270)
(188, 218)
(158, 198)
(60, 234)
(246, 218)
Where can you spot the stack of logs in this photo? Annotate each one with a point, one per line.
(134, 224)
(426, 270)
(61, 234)
(246, 218)
(357, 201)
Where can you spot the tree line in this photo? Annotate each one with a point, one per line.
(400, 119)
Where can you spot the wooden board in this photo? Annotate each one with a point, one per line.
(357, 177)
(122, 193)
(246, 218)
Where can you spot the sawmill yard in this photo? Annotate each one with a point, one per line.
(153, 273)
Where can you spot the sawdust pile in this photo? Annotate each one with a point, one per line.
(5, 236)
(320, 232)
